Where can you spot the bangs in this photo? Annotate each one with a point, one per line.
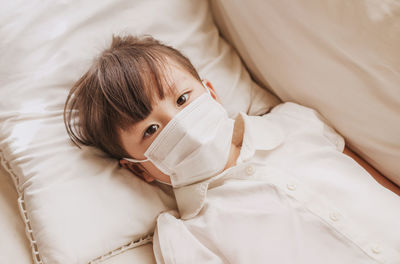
(131, 81)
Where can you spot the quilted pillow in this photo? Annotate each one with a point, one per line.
(78, 204)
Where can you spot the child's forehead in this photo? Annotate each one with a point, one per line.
(175, 77)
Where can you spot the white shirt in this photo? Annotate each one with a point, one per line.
(293, 197)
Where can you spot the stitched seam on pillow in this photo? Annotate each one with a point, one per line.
(133, 244)
(24, 214)
(28, 230)
(6, 165)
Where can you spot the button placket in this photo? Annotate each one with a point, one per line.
(291, 186)
(250, 170)
(376, 249)
(334, 216)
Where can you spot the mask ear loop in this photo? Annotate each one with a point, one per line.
(207, 89)
(135, 160)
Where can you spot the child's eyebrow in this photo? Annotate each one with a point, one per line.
(172, 89)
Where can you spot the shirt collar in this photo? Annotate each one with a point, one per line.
(257, 133)
(252, 133)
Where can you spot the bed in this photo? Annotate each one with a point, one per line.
(64, 205)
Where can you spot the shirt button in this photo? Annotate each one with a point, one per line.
(376, 249)
(250, 170)
(291, 186)
(334, 217)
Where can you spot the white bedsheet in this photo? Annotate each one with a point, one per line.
(290, 199)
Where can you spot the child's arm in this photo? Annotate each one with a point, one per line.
(385, 182)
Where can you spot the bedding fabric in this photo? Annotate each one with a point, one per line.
(292, 197)
(339, 57)
(78, 204)
(143, 255)
(14, 245)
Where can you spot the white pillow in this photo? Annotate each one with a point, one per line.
(79, 204)
(339, 57)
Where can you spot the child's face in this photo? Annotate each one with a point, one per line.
(137, 138)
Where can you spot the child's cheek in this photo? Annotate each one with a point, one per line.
(156, 173)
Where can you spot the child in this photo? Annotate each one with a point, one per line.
(272, 188)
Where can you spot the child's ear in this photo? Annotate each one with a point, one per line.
(212, 90)
(132, 168)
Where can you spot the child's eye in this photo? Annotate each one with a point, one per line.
(150, 130)
(182, 99)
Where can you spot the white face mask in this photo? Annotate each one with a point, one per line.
(195, 144)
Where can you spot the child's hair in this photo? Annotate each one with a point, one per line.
(118, 90)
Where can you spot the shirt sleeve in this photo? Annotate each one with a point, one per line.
(174, 243)
(312, 119)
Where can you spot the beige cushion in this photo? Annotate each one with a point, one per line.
(78, 204)
(339, 57)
